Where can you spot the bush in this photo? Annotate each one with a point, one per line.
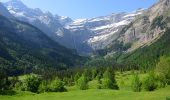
(13, 81)
(76, 77)
(32, 83)
(52, 86)
(82, 83)
(163, 70)
(94, 73)
(109, 81)
(167, 98)
(150, 82)
(20, 86)
(57, 86)
(88, 74)
(68, 81)
(43, 87)
(136, 84)
(161, 81)
(99, 81)
(4, 82)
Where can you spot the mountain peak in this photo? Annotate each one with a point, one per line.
(4, 11)
(17, 4)
(164, 2)
(48, 13)
(15, 1)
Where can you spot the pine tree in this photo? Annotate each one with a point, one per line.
(109, 81)
(136, 84)
(82, 83)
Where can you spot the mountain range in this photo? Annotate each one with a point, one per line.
(142, 42)
(83, 35)
(36, 38)
(22, 44)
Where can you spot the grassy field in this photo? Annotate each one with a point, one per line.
(93, 93)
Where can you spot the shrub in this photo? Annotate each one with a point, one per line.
(4, 82)
(76, 77)
(52, 86)
(136, 84)
(32, 83)
(99, 81)
(43, 87)
(150, 82)
(82, 83)
(20, 86)
(13, 81)
(167, 98)
(98, 77)
(94, 73)
(161, 81)
(57, 86)
(68, 82)
(87, 74)
(163, 70)
(109, 81)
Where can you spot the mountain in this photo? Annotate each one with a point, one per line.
(51, 25)
(4, 11)
(101, 31)
(125, 37)
(144, 40)
(24, 47)
(84, 35)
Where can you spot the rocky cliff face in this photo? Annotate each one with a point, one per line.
(146, 28)
(101, 31)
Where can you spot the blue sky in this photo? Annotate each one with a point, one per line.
(87, 8)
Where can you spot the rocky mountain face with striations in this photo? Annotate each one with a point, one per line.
(148, 36)
(148, 27)
(102, 30)
(144, 30)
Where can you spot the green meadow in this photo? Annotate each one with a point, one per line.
(125, 92)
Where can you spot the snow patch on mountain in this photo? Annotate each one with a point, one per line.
(99, 38)
(93, 33)
(124, 22)
(103, 27)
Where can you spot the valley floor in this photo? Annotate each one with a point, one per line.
(93, 94)
(125, 92)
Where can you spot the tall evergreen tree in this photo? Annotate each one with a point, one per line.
(109, 81)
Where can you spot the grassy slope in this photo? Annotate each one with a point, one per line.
(93, 93)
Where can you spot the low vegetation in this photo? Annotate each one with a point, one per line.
(101, 79)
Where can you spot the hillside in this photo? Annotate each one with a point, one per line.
(143, 41)
(24, 47)
(150, 54)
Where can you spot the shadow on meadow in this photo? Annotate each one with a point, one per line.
(168, 98)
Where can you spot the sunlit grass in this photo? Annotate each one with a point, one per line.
(93, 93)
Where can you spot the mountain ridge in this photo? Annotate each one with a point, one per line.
(24, 48)
(88, 36)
